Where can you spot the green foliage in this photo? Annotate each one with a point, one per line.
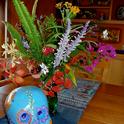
(48, 31)
(72, 76)
(17, 37)
(34, 9)
(74, 53)
(52, 29)
(29, 28)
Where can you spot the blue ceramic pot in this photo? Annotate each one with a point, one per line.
(27, 105)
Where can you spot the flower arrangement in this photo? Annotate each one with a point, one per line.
(51, 50)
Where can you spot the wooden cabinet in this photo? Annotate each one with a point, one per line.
(97, 10)
(97, 73)
(111, 72)
(114, 72)
(102, 13)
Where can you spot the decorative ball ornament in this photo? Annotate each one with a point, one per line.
(27, 105)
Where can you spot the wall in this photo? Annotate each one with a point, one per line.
(45, 7)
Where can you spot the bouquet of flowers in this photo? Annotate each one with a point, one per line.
(51, 50)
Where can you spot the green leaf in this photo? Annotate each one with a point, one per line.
(82, 46)
(72, 77)
(34, 9)
(53, 36)
(74, 53)
(40, 27)
(30, 29)
(52, 45)
(56, 26)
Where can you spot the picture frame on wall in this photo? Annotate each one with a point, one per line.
(109, 35)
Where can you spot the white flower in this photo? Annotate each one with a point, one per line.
(11, 50)
(105, 34)
(44, 68)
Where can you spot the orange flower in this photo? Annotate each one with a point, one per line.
(51, 93)
(56, 88)
(57, 75)
(59, 81)
(49, 82)
(68, 83)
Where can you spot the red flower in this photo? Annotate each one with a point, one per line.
(54, 78)
(59, 82)
(68, 83)
(56, 88)
(51, 93)
(3, 63)
(67, 71)
(58, 75)
(13, 69)
(48, 50)
(49, 82)
(6, 74)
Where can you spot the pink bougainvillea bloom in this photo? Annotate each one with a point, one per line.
(106, 51)
(88, 68)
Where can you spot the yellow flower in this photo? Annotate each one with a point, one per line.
(68, 5)
(75, 9)
(59, 5)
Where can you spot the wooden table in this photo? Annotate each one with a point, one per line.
(107, 106)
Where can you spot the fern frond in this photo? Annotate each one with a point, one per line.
(40, 28)
(53, 37)
(30, 29)
(50, 21)
(58, 27)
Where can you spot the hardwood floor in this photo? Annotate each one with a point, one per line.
(107, 107)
